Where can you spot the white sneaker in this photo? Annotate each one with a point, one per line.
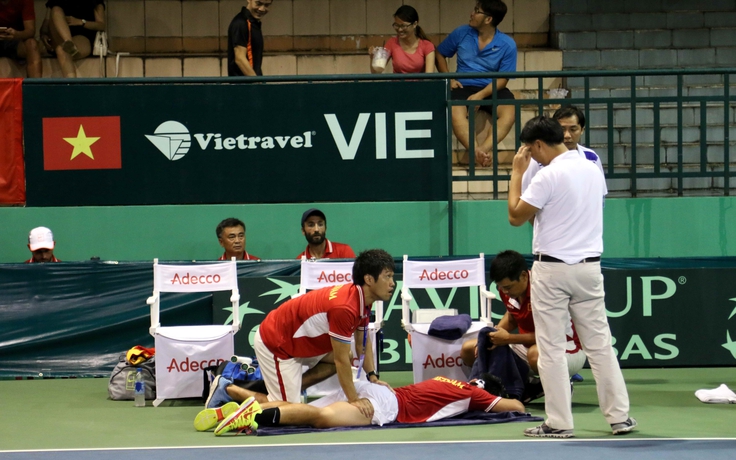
(623, 427)
(544, 431)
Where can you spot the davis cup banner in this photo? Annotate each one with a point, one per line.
(119, 143)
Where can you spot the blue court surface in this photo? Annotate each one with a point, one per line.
(547, 449)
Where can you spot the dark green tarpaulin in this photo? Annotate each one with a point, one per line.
(76, 318)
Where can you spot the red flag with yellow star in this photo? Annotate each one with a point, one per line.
(81, 143)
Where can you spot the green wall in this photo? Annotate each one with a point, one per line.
(639, 227)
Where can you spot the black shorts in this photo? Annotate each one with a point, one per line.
(462, 94)
(85, 32)
(9, 49)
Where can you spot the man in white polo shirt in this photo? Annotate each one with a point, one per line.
(565, 202)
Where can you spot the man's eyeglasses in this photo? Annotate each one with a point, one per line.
(477, 10)
(401, 26)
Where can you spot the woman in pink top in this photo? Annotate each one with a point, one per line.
(410, 49)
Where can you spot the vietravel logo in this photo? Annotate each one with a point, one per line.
(173, 140)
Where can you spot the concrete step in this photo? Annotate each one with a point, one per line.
(714, 135)
(668, 154)
(663, 186)
(668, 114)
(86, 68)
(574, 15)
(649, 38)
(647, 81)
(693, 91)
(668, 184)
(627, 58)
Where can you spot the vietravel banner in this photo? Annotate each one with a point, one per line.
(152, 143)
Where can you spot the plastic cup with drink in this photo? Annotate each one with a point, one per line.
(380, 58)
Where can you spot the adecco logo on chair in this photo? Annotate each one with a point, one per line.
(465, 272)
(316, 274)
(333, 277)
(190, 279)
(193, 278)
(438, 275)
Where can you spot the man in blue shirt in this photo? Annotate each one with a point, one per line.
(480, 47)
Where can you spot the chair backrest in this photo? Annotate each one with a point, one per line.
(319, 273)
(221, 276)
(445, 274)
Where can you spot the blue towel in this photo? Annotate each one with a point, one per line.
(501, 362)
(450, 327)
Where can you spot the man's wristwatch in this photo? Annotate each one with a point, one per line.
(371, 373)
(84, 21)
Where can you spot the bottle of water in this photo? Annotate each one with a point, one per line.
(140, 389)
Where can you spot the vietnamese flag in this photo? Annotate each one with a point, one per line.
(81, 143)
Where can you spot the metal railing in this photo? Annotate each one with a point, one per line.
(639, 94)
(707, 100)
(636, 95)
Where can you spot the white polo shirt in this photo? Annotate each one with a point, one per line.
(534, 167)
(568, 193)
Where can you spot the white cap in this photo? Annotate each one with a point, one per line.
(40, 238)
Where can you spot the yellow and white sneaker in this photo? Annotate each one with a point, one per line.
(209, 418)
(242, 420)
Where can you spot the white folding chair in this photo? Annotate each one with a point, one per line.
(319, 273)
(183, 351)
(433, 356)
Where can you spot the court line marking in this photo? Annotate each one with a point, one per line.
(352, 443)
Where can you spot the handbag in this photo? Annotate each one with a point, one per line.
(100, 46)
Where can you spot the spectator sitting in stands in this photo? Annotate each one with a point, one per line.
(245, 40)
(314, 229)
(480, 47)
(69, 30)
(41, 243)
(410, 50)
(17, 32)
(231, 235)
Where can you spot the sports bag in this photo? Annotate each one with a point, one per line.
(252, 381)
(122, 380)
